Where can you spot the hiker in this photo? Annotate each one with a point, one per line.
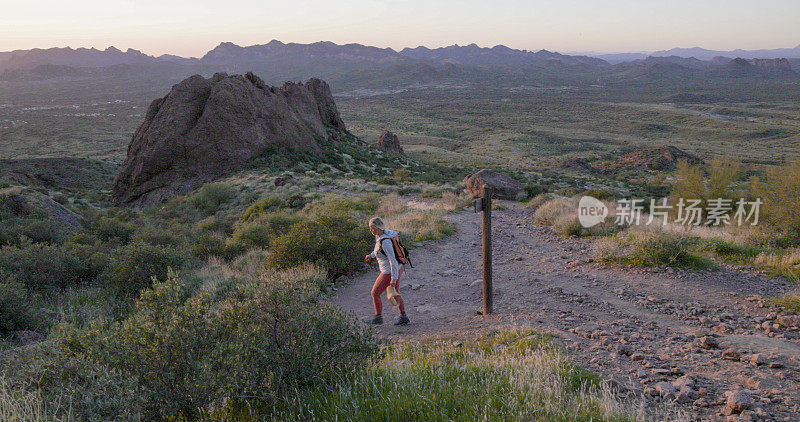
(390, 269)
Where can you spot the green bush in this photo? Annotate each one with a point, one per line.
(109, 228)
(16, 312)
(211, 196)
(37, 230)
(133, 266)
(189, 350)
(654, 249)
(92, 254)
(208, 244)
(257, 232)
(336, 242)
(567, 225)
(40, 266)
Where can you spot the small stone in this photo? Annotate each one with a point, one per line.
(738, 400)
(757, 359)
(701, 402)
(665, 389)
(707, 342)
(731, 354)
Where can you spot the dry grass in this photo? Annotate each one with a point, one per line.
(550, 211)
(515, 374)
(18, 404)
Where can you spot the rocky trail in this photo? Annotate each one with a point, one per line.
(702, 340)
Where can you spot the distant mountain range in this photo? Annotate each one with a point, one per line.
(355, 65)
(703, 54)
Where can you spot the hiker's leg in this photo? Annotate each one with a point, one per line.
(400, 305)
(381, 283)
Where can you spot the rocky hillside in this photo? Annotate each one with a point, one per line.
(208, 127)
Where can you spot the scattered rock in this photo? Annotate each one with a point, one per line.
(707, 342)
(738, 400)
(758, 359)
(731, 354)
(788, 320)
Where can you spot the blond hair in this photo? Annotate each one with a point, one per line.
(377, 223)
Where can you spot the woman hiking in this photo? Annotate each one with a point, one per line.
(390, 269)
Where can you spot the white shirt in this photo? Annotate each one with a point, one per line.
(386, 263)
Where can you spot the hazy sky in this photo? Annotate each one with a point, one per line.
(191, 28)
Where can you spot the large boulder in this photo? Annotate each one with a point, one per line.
(504, 187)
(208, 127)
(389, 142)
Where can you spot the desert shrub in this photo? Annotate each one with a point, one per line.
(420, 226)
(90, 252)
(211, 196)
(401, 175)
(187, 350)
(331, 239)
(781, 194)
(540, 199)
(258, 231)
(550, 211)
(655, 248)
(431, 193)
(386, 180)
(607, 249)
(109, 228)
(207, 244)
(567, 225)
(253, 235)
(133, 266)
(40, 266)
(36, 230)
(272, 203)
(533, 189)
(689, 183)
(159, 235)
(16, 312)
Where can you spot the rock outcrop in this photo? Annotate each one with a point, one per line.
(504, 187)
(208, 127)
(660, 158)
(25, 202)
(389, 142)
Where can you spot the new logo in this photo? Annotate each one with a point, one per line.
(591, 211)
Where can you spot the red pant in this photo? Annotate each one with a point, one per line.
(381, 283)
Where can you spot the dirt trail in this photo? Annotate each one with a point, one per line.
(643, 328)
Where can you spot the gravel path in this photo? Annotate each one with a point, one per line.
(703, 340)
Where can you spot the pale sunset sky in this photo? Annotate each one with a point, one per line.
(191, 28)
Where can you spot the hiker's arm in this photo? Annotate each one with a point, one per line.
(388, 247)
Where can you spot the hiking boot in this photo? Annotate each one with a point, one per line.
(376, 320)
(402, 320)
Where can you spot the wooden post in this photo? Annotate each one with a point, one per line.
(488, 296)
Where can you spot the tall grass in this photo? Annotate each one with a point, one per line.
(514, 375)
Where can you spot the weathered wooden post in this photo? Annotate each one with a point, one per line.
(488, 295)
